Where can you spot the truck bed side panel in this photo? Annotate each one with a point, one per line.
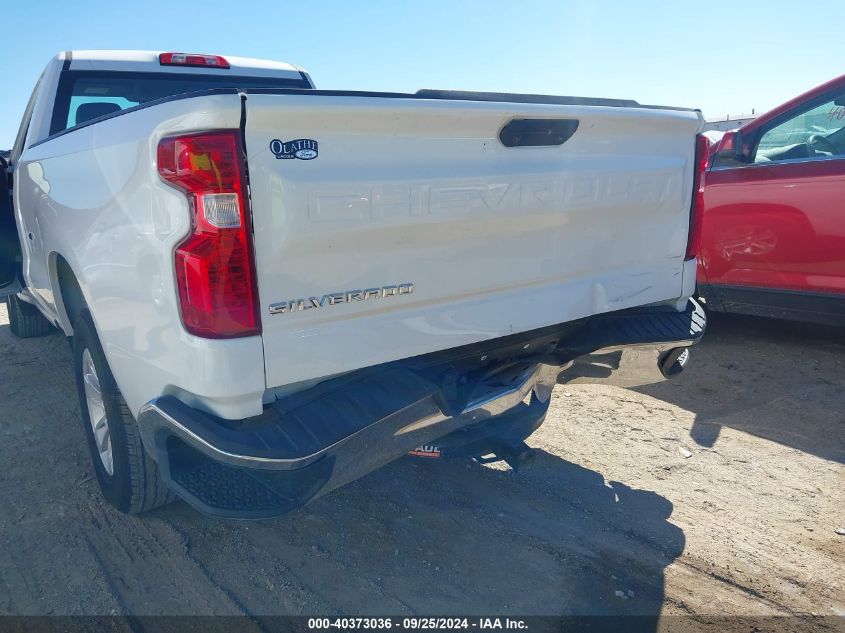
(94, 197)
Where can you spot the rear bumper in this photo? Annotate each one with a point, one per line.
(306, 444)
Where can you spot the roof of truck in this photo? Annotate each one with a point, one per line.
(148, 61)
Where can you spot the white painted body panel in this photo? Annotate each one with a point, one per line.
(495, 240)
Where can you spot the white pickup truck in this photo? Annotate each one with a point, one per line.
(271, 290)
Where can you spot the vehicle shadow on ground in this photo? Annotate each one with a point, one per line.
(431, 537)
(415, 537)
(780, 380)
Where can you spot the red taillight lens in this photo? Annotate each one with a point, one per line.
(215, 270)
(192, 59)
(702, 155)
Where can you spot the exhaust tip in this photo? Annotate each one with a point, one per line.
(674, 361)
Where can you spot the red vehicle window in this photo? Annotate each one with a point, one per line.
(816, 133)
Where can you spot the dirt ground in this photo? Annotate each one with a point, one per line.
(611, 519)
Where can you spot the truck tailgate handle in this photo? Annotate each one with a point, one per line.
(537, 132)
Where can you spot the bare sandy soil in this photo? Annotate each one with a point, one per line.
(613, 518)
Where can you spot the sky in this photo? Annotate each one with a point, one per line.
(722, 57)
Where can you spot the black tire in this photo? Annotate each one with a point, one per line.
(135, 484)
(25, 320)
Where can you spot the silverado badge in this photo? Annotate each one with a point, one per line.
(336, 298)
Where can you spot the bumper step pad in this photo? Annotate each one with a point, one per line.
(480, 398)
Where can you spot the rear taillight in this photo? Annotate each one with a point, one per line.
(702, 154)
(192, 59)
(215, 271)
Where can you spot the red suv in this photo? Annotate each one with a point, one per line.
(773, 228)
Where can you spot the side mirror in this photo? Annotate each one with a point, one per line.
(730, 151)
(737, 145)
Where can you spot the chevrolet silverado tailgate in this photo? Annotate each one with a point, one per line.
(388, 226)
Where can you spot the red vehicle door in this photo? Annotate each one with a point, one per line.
(773, 233)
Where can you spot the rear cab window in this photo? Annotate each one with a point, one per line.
(87, 95)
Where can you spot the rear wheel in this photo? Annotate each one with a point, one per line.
(129, 479)
(25, 320)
